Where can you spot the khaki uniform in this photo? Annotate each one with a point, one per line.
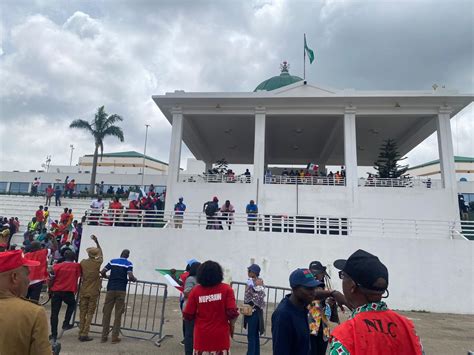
(23, 327)
(89, 293)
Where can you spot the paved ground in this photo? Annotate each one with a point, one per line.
(440, 334)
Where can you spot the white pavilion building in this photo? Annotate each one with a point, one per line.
(412, 225)
(287, 120)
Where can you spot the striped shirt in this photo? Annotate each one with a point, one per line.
(119, 269)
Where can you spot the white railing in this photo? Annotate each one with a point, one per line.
(317, 225)
(408, 182)
(467, 229)
(305, 180)
(215, 178)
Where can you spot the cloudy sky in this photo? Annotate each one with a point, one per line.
(60, 60)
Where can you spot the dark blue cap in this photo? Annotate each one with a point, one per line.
(254, 268)
(305, 278)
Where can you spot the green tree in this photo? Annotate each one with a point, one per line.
(100, 127)
(387, 163)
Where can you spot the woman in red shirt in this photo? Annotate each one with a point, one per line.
(212, 306)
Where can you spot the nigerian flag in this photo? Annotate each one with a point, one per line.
(172, 280)
(308, 51)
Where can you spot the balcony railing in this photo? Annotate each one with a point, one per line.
(261, 222)
(215, 178)
(406, 182)
(305, 180)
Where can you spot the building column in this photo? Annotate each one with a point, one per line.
(350, 150)
(445, 148)
(259, 145)
(208, 166)
(175, 155)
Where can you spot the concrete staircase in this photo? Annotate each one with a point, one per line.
(24, 207)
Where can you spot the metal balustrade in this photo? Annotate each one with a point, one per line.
(215, 178)
(275, 223)
(305, 180)
(403, 182)
(407, 182)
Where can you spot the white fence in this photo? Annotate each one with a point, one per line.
(404, 182)
(305, 180)
(260, 222)
(215, 178)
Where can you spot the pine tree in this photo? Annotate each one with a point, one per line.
(387, 162)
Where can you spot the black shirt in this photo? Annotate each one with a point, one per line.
(290, 329)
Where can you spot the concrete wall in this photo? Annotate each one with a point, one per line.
(431, 275)
(398, 203)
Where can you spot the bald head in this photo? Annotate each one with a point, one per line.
(15, 281)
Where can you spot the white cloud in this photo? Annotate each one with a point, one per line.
(62, 60)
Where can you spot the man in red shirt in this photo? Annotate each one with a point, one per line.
(38, 274)
(64, 216)
(40, 218)
(49, 193)
(64, 286)
(372, 328)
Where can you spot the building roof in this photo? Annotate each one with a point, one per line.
(457, 159)
(279, 81)
(129, 154)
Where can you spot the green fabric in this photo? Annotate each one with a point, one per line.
(337, 348)
(309, 51)
(168, 272)
(374, 306)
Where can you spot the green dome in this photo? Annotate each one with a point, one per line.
(279, 81)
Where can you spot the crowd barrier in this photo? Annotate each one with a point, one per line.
(144, 313)
(273, 296)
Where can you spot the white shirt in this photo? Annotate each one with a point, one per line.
(97, 204)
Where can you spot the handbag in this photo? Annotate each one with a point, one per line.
(246, 310)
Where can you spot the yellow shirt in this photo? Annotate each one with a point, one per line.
(23, 327)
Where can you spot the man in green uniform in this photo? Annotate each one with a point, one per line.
(23, 324)
(90, 288)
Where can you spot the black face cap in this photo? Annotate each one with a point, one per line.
(317, 268)
(366, 270)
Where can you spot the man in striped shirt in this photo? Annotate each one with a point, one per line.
(121, 270)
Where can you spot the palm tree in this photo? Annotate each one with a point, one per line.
(101, 127)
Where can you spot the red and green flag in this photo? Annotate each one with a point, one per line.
(172, 277)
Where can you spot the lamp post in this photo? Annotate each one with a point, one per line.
(70, 159)
(144, 153)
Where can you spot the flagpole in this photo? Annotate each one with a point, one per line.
(304, 58)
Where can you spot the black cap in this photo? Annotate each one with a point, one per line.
(317, 268)
(366, 270)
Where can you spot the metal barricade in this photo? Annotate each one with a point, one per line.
(144, 313)
(273, 296)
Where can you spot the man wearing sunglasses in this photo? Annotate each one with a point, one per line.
(372, 328)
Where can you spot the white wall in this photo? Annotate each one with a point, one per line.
(393, 203)
(431, 275)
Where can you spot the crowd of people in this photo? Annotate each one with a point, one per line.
(300, 322)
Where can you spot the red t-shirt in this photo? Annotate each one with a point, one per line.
(64, 217)
(39, 216)
(39, 272)
(66, 276)
(378, 332)
(212, 308)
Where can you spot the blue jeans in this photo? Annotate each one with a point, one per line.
(253, 335)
